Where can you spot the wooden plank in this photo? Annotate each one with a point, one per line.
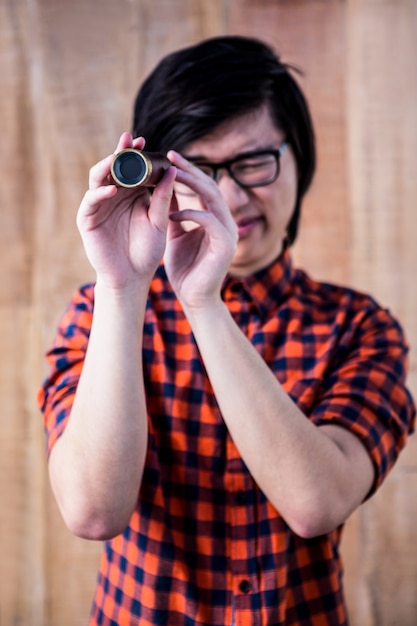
(311, 36)
(68, 76)
(22, 475)
(84, 102)
(382, 123)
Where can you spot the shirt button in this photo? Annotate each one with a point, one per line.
(245, 586)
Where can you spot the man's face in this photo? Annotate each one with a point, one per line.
(261, 213)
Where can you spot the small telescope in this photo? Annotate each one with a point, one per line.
(135, 168)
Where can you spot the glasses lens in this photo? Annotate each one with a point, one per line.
(259, 169)
(249, 171)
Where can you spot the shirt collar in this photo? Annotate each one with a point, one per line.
(266, 288)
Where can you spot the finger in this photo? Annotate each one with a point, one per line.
(179, 226)
(126, 141)
(214, 227)
(175, 226)
(191, 175)
(93, 198)
(138, 143)
(202, 218)
(100, 173)
(160, 205)
(204, 186)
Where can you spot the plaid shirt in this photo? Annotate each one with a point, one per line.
(203, 537)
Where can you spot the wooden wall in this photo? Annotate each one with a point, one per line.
(68, 74)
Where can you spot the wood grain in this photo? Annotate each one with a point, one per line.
(68, 75)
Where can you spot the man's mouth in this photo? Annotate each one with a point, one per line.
(245, 226)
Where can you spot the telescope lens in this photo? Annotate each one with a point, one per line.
(129, 168)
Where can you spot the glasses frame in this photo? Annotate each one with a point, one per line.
(227, 165)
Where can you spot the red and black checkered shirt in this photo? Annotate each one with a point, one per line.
(203, 537)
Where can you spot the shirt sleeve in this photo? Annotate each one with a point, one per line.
(365, 390)
(65, 359)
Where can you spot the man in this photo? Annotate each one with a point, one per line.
(213, 413)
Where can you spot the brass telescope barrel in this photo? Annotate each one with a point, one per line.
(135, 168)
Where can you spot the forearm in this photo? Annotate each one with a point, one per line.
(305, 471)
(97, 464)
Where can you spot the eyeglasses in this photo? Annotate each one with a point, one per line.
(250, 169)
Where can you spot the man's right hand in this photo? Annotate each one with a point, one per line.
(124, 230)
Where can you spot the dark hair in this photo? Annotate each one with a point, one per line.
(195, 89)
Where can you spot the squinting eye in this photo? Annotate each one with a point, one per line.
(206, 169)
(247, 166)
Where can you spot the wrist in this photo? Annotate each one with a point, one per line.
(205, 312)
(131, 295)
